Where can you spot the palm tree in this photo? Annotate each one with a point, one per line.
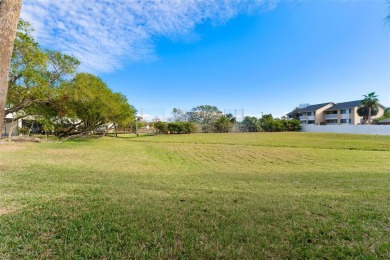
(9, 16)
(370, 102)
(363, 111)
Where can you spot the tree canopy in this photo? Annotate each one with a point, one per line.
(369, 106)
(45, 84)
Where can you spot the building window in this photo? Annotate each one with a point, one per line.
(350, 111)
(309, 113)
(346, 121)
(332, 121)
(311, 122)
(331, 112)
(343, 111)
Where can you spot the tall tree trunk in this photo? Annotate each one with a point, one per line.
(369, 115)
(9, 16)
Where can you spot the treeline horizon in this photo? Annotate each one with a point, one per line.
(209, 119)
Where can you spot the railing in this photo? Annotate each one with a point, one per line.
(330, 116)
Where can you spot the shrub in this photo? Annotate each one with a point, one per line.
(277, 125)
(181, 127)
(24, 130)
(61, 132)
(162, 127)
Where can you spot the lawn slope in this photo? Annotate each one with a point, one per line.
(278, 195)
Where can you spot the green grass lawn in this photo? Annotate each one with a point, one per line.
(247, 196)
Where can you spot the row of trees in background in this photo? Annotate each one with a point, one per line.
(269, 124)
(45, 85)
(209, 119)
(175, 127)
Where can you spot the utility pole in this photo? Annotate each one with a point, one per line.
(235, 118)
(136, 126)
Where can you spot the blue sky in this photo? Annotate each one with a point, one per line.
(265, 58)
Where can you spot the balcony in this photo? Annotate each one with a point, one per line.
(307, 118)
(330, 116)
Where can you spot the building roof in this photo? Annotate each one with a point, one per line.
(313, 107)
(292, 112)
(308, 108)
(345, 105)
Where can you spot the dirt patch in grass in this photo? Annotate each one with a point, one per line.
(11, 146)
(4, 211)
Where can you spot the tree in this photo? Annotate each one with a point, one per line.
(179, 115)
(9, 15)
(86, 104)
(295, 113)
(224, 123)
(35, 74)
(386, 113)
(363, 112)
(121, 113)
(250, 124)
(204, 115)
(370, 102)
(161, 127)
(28, 65)
(35, 78)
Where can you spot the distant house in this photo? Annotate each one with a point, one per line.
(333, 114)
(385, 122)
(313, 114)
(346, 113)
(12, 125)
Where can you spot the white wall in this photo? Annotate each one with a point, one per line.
(348, 129)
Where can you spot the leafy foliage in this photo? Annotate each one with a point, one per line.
(224, 123)
(35, 74)
(250, 124)
(369, 107)
(162, 127)
(180, 115)
(204, 114)
(269, 124)
(175, 127)
(45, 84)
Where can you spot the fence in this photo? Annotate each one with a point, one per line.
(348, 129)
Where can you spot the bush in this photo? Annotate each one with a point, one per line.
(293, 125)
(24, 130)
(61, 132)
(181, 128)
(162, 127)
(277, 125)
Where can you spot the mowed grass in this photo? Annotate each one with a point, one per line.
(232, 196)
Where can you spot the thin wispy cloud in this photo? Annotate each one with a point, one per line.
(105, 34)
